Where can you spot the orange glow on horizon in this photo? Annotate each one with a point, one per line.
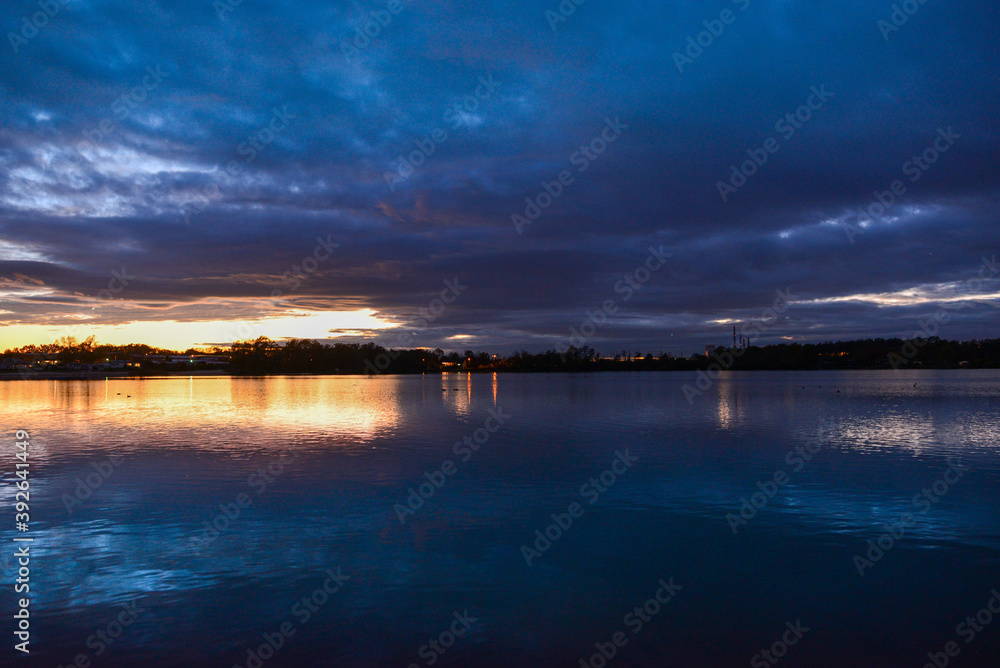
(174, 335)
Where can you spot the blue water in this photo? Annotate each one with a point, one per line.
(852, 450)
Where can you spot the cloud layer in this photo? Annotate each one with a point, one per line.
(204, 152)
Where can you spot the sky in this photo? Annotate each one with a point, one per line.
(499, 175)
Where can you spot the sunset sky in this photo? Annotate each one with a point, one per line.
(167, 168)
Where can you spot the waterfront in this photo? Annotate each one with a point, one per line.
(422, 506)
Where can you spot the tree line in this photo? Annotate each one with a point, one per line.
(266, 356)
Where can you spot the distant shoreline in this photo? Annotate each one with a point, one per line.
(55, 375)
(102, 375)
(263, 357)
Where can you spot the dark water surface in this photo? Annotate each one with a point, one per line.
(838, 459)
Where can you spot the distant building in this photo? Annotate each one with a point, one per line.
(199, 360)
(29, 362)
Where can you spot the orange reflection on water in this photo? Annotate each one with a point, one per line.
(345, 409)
(455, 396)
(730, 409)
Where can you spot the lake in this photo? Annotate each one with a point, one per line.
(792, 518)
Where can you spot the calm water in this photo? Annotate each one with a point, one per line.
(343, 452)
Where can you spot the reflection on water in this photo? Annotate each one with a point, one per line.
(351, 411)
(320, 464)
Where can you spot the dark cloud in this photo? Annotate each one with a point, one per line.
(207, 156)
